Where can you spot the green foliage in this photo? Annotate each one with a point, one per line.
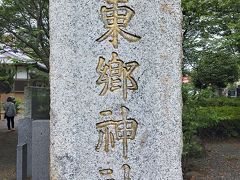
(24, 24)
(216, 70)
(191, 120)
(221, 101)
(40, 79)
(200, 111)
(210, 26)
(6, 78)
(205, 115)
(222, 121)
(18, 104)
(211, 48)
(223, 129)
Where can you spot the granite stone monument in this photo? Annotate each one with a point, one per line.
(115, 90)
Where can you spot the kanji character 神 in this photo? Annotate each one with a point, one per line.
(120, 130)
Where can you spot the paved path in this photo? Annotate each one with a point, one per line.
(8, 144)
(221, 162)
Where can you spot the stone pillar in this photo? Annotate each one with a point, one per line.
(40, 150)
(21, 162)
(115, 89)
(36, 103)
(28, 102)
(25, 137)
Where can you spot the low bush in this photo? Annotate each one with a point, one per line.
(222, 113)
(205, 115)
(223, 129)
(220, 101)
(222, 121)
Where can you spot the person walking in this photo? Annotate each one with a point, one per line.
(10, 113)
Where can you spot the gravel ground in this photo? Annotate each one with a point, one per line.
(8, 145)
(221, 161)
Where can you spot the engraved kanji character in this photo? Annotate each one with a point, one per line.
(115, 18)
(116, 75)
(111, 131)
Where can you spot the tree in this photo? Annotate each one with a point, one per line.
(6, 78)
(210, 26)
(27, 21)
(216, 70)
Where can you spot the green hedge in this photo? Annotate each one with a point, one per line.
(206, 115)
(221, 118)
(223, 121)
(220, 101)
(220, 113)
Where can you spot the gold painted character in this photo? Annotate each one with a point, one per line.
(111, 131)
(115, 18)
(116, 75)
(109, 172)
(106, 172)
(126, 170)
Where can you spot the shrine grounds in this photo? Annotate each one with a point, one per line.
(221, 159)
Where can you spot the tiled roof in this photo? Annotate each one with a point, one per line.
(10, 56)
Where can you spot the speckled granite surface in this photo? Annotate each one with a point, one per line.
(155, 152)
